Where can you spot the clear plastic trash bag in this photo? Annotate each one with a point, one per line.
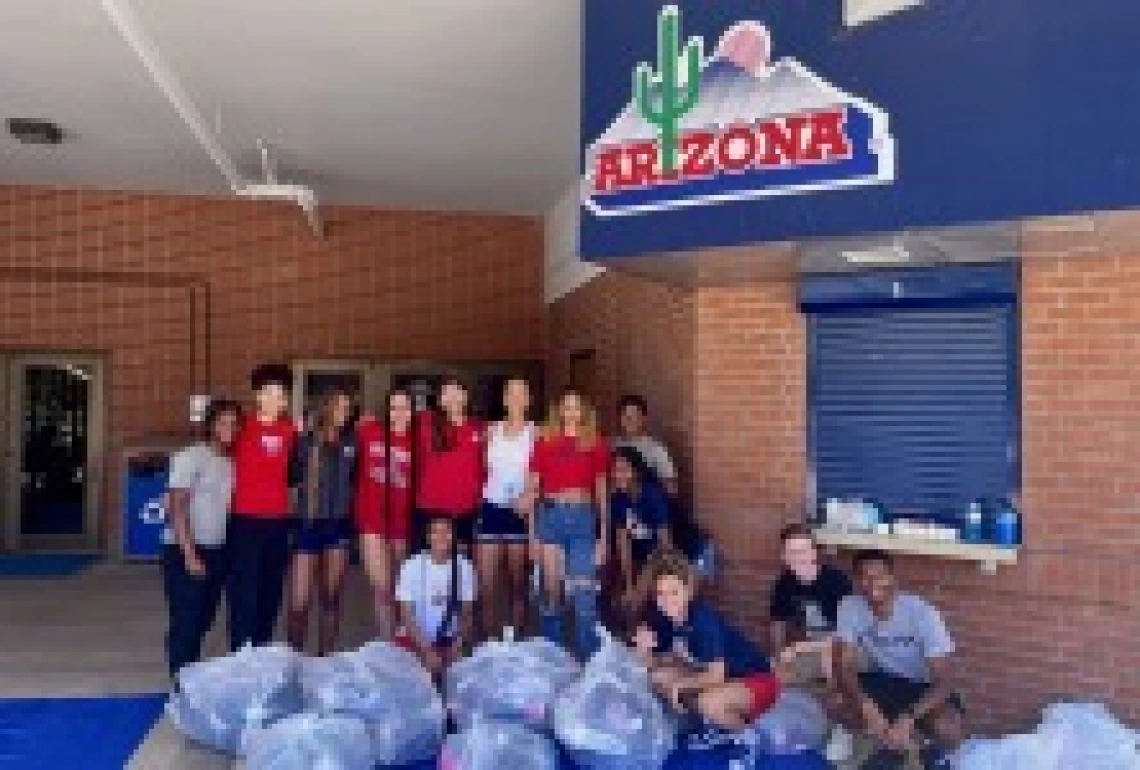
(386, 687)
(795, 724)
(610, 718)
(1032, 751)
(1091, 738)
(494, 745)
(218, 699)
(510, 682)
(1071, 736)
(309, 741)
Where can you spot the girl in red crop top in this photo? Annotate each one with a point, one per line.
(383, 509)
(568, 474)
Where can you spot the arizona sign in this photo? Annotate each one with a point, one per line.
(730, 127)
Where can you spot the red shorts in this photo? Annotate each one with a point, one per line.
(765, 689)
(374, 520)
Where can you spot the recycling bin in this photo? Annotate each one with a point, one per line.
(144, 499)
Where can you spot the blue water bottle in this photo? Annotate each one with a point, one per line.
(972, 531)
(1007, 527)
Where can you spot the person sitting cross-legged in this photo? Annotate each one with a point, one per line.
(896, 664)
(696, 659)
(436, 593)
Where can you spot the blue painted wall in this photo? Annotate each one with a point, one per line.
(1000, 109)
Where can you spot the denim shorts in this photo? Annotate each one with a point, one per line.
(570, 526)
(320, 535)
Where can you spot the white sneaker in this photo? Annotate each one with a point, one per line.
(840, 746)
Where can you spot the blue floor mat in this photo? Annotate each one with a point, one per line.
(87, 733)
(44, 565)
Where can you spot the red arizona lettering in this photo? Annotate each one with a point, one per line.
(737, 148)
(782, 139)
(607, 170)
(696, 152)
(827, 139)
(642, 164)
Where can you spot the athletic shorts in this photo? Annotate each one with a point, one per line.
(895, 694)
(405, 641)
(765, 689)
(320, 535)
(499, 524)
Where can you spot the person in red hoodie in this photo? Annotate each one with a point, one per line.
(383, 507)
(257, 542)
(449, 453)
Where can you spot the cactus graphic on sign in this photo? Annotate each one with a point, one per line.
(662, 98)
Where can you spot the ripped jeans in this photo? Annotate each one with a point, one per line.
(570, 526)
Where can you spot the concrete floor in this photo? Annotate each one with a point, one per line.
(101, 633)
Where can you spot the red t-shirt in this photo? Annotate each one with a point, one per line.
(261, 467)
(378, 468)
(562, 464)
(451, 482)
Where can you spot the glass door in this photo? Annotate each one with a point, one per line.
(55, 459)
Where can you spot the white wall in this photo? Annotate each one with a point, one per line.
(565, 270)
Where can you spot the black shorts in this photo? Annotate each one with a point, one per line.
(895, 695)
(500, 524)
(463, 526)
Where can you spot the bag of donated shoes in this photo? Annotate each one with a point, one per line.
(510, 682)
(610, 719)
(385, 687)
(491, 745)
(217, 700)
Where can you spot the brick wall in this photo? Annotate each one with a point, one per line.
(642, 336)
(127, 276)
(1063, 622)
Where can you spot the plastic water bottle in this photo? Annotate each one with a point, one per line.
(973, 531)
(1006, 527)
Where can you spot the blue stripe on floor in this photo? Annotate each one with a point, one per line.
(88, 733)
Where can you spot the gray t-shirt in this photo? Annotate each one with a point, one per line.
(209, 479)
(654, 453)
(900, 645)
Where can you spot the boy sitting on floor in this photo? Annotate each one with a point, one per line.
(907, 687)
(696, 658)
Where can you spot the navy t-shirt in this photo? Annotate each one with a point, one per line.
(704, 638)
(644, 517)
(811, 608)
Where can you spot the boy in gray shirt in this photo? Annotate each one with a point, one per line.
(896, 661)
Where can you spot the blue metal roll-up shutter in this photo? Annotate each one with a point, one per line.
(913, 389)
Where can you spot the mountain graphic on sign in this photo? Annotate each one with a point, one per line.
(644, 161)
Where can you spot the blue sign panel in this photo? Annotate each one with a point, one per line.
(710, 124)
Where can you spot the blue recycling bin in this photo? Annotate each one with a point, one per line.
(145, 502)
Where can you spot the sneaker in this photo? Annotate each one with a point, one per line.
(840, 746)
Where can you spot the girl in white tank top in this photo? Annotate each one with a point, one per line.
(502, 533)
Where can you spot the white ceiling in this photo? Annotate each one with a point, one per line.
(468, 104)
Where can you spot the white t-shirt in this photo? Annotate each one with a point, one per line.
(208, 477)
(425, 585)
(508, 458)
(654, 453)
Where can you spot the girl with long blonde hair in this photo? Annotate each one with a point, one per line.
(568, 505)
